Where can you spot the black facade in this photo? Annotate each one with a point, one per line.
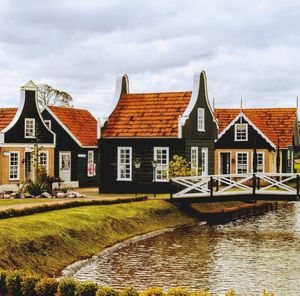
(79, 155)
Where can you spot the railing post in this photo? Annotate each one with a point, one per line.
(217, 185)
(211, 186)
(298, 186)
(253, 184)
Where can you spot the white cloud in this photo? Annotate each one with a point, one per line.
(248, 48)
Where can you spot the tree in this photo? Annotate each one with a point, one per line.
(180, 167)
(47, 95)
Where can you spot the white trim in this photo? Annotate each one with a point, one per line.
(47, 153)
(196, 166)
(49, 122)
(205, 151)
(66, 129)
(29, 120)
(92, 163)
(155, 159)
(236, 161)
(9, 166)
(25, 163)
(200, 111)
(118, 164)
(59, 163)
(219, 161)
(263, 154)
(249, 122)
(194, 98)
(235, 132)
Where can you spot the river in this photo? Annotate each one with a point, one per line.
(247, 255)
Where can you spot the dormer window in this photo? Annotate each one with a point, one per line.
(241, 132)
(29, 128)
(201, 120)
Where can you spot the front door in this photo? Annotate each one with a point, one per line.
(204, 161)
(65, 166)
(224, 163)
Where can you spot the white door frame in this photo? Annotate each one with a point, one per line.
(205, 151)
(60, 163)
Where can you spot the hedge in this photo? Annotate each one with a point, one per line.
(11, 213)
(20, 283)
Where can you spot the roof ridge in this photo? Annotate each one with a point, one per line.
(163, 92)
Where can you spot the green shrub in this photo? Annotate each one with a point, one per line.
(13, 283)
(107, 291)
(28, 285)
(46, 287)
(178, 292)
(66, 287)
(3, 289)
(129, 291)
(153, 292)
(86, 289)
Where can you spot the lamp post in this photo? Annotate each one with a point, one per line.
(137, 165)
(154, 163)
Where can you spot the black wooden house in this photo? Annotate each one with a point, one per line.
(76, 151)
(145, 130)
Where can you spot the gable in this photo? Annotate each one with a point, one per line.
(255, 138)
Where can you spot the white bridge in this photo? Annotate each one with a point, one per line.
(241, 184)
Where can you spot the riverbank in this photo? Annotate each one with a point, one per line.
(48, 242)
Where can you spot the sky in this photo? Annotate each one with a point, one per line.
(249, 49)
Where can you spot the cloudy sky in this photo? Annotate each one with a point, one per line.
(249, 49)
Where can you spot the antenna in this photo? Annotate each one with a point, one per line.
(241, 107)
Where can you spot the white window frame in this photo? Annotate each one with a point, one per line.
(47, 159)
(119, 177)
(263, 161)
(236, 132)
(201, 119)
(48, 123)
(195, 163)
(10, 166)
(161, 167)
(236, 162)
(27, 121)
(90, 162)
(204, 164)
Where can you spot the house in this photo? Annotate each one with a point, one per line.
(145, 130)
(20, 129)
(76, 150)
(272, 132)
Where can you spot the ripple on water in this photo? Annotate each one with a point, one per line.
(247, 255)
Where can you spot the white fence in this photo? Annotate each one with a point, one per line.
(221, 185)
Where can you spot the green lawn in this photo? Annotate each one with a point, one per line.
(48, 242)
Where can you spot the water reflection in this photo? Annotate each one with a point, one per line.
(247, 255)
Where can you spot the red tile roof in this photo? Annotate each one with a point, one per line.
(276, 123)
(6, 116)
(80, 122)
(147, 115)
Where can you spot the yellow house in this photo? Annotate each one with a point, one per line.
(272, 132)
(20, 130)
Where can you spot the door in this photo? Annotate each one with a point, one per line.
(204, 161)
(225, 163)
(28, 165)
(65, 166)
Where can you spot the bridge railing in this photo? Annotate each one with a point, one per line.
(237, 184)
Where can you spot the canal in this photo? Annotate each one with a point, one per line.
(247, 255)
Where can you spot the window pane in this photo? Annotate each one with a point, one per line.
(124, 163)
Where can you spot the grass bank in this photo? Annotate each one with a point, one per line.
(46, 243)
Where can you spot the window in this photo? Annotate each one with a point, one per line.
(242, 163)
(124, 163)
(14, 166)
(194, 160)
(48, 123)
(241, 132)
(29, 128)
(161, 157)
(91, 166)
(260, 162)
(201, 120)
(43, 162)
(204, 161)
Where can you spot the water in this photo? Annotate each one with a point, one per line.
(247, 255)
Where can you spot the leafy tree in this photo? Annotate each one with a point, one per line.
(180, 167)
(47, 95)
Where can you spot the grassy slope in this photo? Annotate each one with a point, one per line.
(46, 243)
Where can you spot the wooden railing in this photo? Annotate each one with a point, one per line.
(221, 185)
